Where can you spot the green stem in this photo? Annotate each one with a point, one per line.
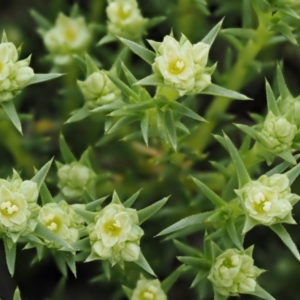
(237, 78)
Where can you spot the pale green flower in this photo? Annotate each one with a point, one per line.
(125, 19)
(59, 218)
(182, 65)
(74, 178)
(148, 290)
(233, 273)
(18, 206)
(98, 89)
(277, 133)
(14, 74)
(68, 36)
(268, 200)
(115, 234)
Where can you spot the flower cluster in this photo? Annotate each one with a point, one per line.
(18, 206)
(14, 74)
(115, 234)
(234, 273)
(268, 200)
(74, 178)
(62, 220)
(125, 19)
(181, 65)
(277, 133)
(68, 36)
(98, 89)
(148, 290)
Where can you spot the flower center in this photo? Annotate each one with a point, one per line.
(231, 262)
(149, 293)
(177, 66)
(8, 208)
(112, 227)
(70, 34)
(51, 223)
(124, 11)
(261, 203)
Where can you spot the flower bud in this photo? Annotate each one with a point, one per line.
(74, 178)
(182, 65)
(233, 273)
(125, 19)
(277, 133)
(110, 234)
(98, 89)
(148, 289)
(268, 200)
(68, 36)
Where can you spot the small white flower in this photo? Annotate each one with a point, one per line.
(125, 19)
(233, 273)
(98, 89)
(277, 133)
(18, 207)
(148, 290)
(74, 178)
(268, 200)
(68, 36)
(14, 75)
(115, 235)
(182, 65)
(57, 218)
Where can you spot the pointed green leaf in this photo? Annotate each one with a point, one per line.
(107, 39)
(218, 296)
(17, 295)
(88, 216)
(196, 262)
(130, 201)
(45, 194)
(288, 156)
(288, 11)
(248, 130)
(152, 80)
(293, 174)
(115, 198)
(285, 237)
(145, 127)
(185, 249)
(150, 210)
(217, 90)
(128, 292)
(155, 21)
(95, 204)
(79, 114)
(178, 107)
(279, 169)
(172, 278)
(106, 268)
(285, 30)
(261, 293)
(235, 237)
(10, 110)
(241, 170)
(81, 245)
(90, 65)
(200, 276)
(40, 176)
(245, 33)
(141, 51)
(135, 107)
(210, 37)
(284, 91)
(10, 254)
(272, 104)
(60, 263)
(70, 260)
(125, 89)
(40, 20)
(4, 37)
(37, 78)
(142, 262)
(108, 107)
(170, 128)
(212, 196)
(67, 154)
(129, 76)
(43, 232)
(188, 221)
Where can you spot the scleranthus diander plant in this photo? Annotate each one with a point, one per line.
(165, 157)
